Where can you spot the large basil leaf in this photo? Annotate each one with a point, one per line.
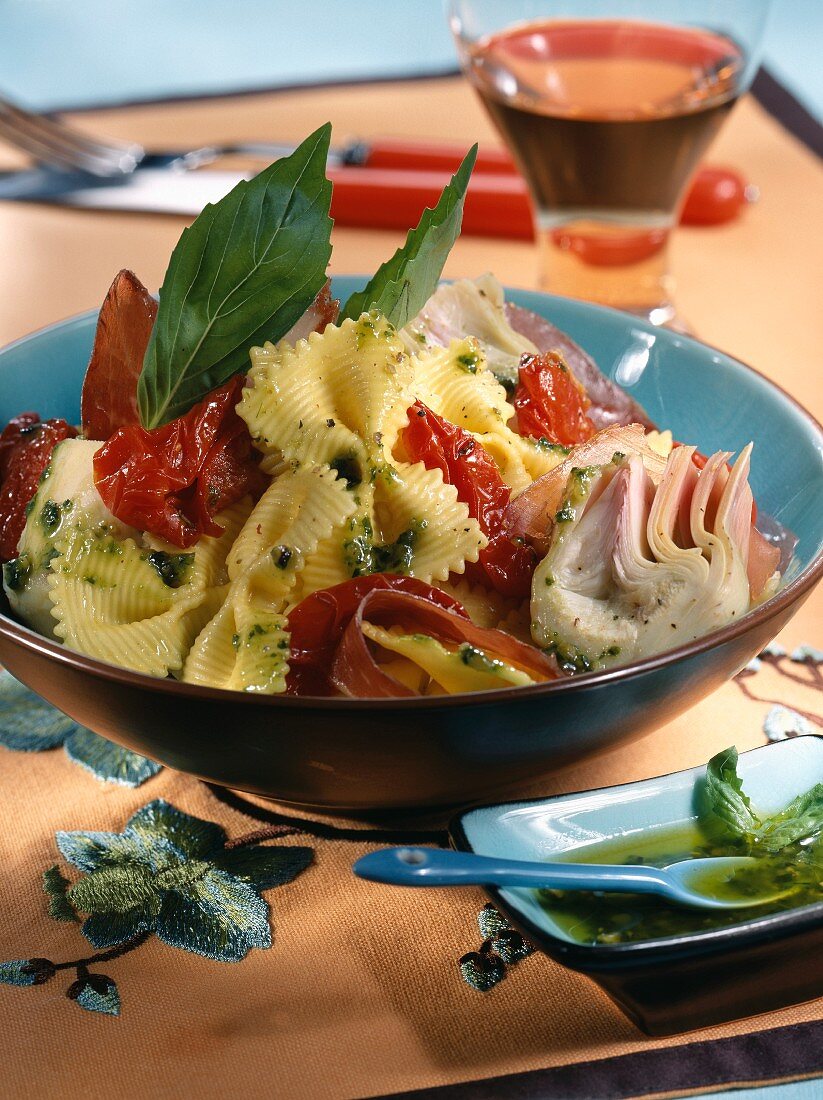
(402, 286)
(725, 797)
(242, 273)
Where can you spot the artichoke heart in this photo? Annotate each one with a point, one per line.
(634, 569)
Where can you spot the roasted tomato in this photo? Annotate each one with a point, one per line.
(550, 402)
(504, 565)
(26, 445)
(318, 623)
(174, 479)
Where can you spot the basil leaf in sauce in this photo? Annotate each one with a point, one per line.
(725, 797)
(402, 286)
(244, 272)
(802, 819)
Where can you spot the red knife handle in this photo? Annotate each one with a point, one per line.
(385, 198)
(498, 205)
(428, 156)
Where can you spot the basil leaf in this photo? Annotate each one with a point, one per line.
(402, 286)
(244, 272)
(800, 820)
(725, 797)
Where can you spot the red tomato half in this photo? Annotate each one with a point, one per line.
(174, 479)
(550, 402)
(318, 623)
(504, 565)
(26, 445)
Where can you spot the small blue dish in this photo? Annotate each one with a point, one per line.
(680, 982)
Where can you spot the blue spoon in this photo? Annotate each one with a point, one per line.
(702, 883)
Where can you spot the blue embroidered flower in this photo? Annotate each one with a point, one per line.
(30, 724)
(172, 874)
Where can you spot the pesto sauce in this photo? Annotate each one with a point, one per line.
(16, 573)
(173, 569)
(51, 515)
(572, 659)
(469, 362)
(363, 557)
(590, 918)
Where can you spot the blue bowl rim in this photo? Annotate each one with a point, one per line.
(617, 956)
(784, 598)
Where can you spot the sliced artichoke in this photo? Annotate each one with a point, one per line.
(635, 568)
(471, 307)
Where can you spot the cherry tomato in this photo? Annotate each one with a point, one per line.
(716, 195)
(550, 402)
(21, 427)
(318, 623)
(504, 565)
(25, 451)
(174, 479)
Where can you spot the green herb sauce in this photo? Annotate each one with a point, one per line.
(628, 918)
(787, 848)
(363, 557)
(16, 573)
(173, 568)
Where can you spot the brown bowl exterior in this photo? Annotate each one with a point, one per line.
(364, 756)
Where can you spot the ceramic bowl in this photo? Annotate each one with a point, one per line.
(681, 982)
(374, 755)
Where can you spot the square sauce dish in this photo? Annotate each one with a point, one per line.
(665, 979)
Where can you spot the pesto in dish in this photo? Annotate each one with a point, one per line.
(788, 848)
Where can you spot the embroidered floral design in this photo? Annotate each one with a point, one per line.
(781, 721)
(502, 946)
(167, 874)
(30, 724)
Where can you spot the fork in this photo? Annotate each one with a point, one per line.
(55, 143)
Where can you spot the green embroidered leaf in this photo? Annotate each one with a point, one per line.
(265, 867)
(108, 761)
(490, 921)
(96, 993)
(724, 792)
(111, 929)
(55, 885)
(482, 972)
(244, 272)
(219, 917)
(190, 835)
(89, 851)
(510, 946)
(27, 722)
(17, 972)
(402, 286)
(116, 890)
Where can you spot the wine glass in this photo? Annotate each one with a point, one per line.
(607, 106)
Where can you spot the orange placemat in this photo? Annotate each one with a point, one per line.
(233, 950)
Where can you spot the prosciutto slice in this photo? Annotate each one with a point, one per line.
(356, 673)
